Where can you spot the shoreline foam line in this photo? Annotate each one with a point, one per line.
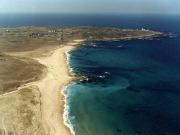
(64, 90)
(67, 121)
(68, 62)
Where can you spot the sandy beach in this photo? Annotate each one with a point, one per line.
(52, 101)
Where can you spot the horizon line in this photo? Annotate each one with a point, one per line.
(56, 13)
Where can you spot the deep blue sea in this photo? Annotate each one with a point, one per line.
(133, 86)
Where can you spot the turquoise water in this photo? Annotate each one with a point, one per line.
(133, 88)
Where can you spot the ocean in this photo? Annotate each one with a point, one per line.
(133, 86)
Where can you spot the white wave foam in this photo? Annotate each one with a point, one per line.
(107, 73)
(68, 63)
(102, 76)
(93, 44)
(66, 118)
(64, 92)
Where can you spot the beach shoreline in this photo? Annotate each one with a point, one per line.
(53, 101)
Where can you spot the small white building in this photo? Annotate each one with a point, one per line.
(144, 29)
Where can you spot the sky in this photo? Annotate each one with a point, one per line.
(91, 6)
